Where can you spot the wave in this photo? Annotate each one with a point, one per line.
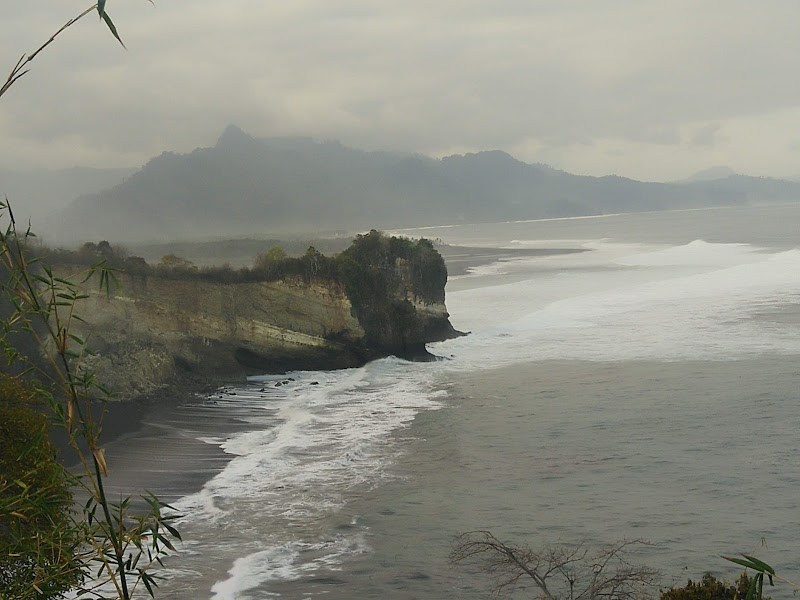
(284, 563)
(316, 440)
(694, 301)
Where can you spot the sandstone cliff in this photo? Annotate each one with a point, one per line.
(158, 327)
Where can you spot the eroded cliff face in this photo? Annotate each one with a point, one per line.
(154, 330)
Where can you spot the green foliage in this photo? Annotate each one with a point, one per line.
(370, 268)
(176, 263)
(710, 588)
(384, 278)
(379, 271)
(116, 546)
(274, 255)
(577, 573)
(39, 546)
(91, 253)
(379, 254)
(45, 550)
(755, 589)
(271, 265)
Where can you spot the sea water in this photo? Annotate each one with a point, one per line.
(647, 388)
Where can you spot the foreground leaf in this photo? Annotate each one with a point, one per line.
(112, 28)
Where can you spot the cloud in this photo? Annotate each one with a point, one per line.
(410, 75)
(705, 135)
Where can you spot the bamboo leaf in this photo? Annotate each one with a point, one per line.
(175, 533)
(146, 581)
(166, 542)
(100, 457)
(761, 565)
(112, 28)
(101, 7)
(76, 339)
(70, 414)
(114, 279)
(751, 590)
(741, 561)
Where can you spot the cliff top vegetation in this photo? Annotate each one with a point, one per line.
(365, 264)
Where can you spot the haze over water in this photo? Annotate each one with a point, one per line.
(646, 388)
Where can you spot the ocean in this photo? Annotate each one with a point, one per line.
(645, 388)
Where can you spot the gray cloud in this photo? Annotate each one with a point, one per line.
(567, 82)
(706, 135)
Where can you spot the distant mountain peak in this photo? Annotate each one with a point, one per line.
(711, 174)
(234, 136)
(497, 156)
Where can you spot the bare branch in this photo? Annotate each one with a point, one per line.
(559, 572)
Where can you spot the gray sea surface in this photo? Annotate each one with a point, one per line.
(647, 388)
(700, 458)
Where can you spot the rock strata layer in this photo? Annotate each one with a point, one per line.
(154, 330)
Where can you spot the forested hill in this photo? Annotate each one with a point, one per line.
(246, 186)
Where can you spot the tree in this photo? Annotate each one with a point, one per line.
(311, 262)
(558, 572)
(271, 265)
(274, 254)
(172, 262)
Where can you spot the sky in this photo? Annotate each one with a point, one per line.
(652, 90)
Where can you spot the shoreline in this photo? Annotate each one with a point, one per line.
(460, 259)
(127, 418)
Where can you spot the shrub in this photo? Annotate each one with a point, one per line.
(710, 588)
(39, 544)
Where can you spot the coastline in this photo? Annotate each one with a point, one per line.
(166, 443)
(129, 425)
(616, 437)
(460, 259)
(124, 417)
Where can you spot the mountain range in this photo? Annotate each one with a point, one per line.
(244, 186)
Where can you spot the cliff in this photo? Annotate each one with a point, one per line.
(382, 296)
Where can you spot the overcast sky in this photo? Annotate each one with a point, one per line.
(652, 90)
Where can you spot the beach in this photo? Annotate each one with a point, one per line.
(167, 424)
(638, 390)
